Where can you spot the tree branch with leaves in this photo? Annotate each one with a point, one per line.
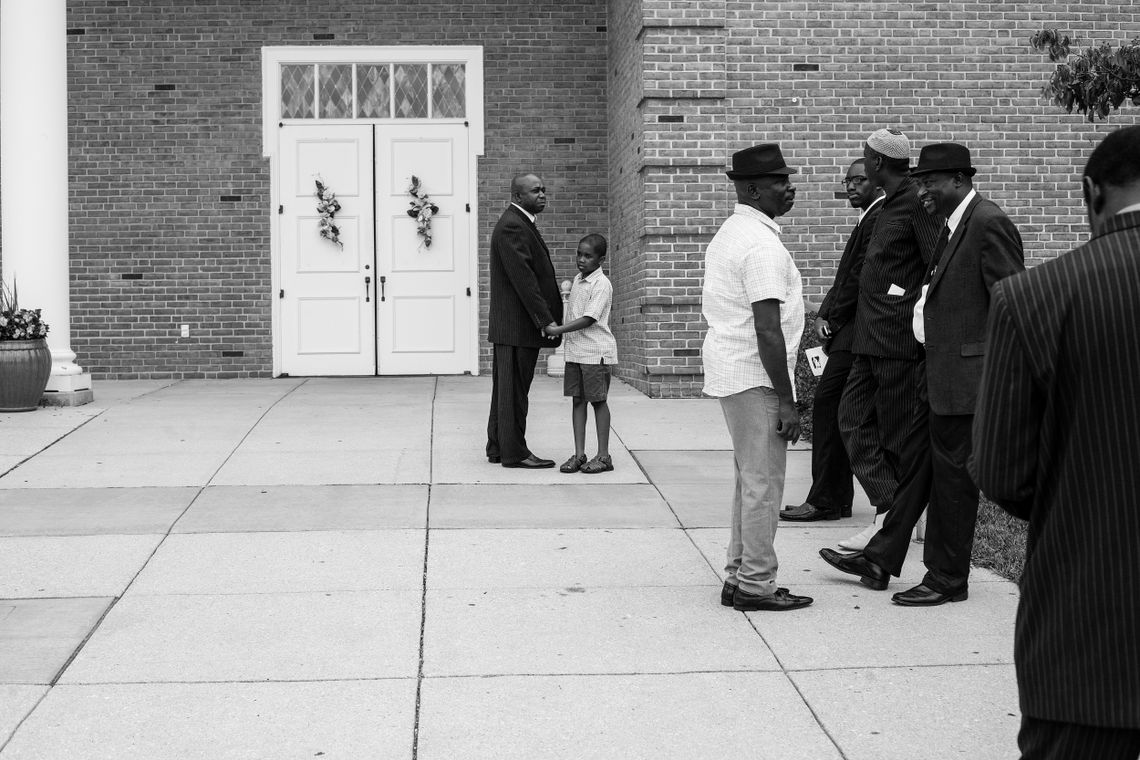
(1097, 81)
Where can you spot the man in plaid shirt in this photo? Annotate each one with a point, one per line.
(753, 303)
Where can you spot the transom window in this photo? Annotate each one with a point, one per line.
(373, 91)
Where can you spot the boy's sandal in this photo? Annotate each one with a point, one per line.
(598, 464)
(573, 464)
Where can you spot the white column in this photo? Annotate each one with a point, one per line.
(556, 362)
(33, 172)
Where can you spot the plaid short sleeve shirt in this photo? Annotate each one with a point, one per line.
(745, 263)
(590, 296)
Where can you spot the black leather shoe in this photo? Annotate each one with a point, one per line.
(531, 463)
(870, 574)
(494, 458)
(726, 594)
(780, 601)
(845, 510)
(924, 596)
(811, 514)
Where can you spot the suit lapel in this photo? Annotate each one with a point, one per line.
(532, 227)
(953, 243)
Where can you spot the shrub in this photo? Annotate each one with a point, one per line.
(805, 380)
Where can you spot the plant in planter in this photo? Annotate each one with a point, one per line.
(25, 359)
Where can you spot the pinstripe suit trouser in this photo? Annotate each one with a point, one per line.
(1051, 740)
(874, 416)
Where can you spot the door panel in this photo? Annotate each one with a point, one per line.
(327, 311)
(425, 322)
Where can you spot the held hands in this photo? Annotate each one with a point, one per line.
(788, 426)
(552, 330)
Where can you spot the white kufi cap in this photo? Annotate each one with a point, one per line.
(889, 142)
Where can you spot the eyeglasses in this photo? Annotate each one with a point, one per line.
(858, 179)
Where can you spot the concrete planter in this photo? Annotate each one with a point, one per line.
(25, 366)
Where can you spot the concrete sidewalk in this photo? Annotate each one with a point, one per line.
(330, 568)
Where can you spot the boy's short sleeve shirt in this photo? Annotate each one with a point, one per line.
(590, 296)
(745, 263)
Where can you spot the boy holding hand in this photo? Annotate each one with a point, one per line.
(590, 351)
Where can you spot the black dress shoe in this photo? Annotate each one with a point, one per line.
(531, 463)
(494, 458)
(780, 601)
(924, 596)
(811, 514)
(870, 574)
(726, 594)
(845, 510)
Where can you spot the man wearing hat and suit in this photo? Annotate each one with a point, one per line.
(1057, 443)
(881, 391)
(979, 246)
(752, 300)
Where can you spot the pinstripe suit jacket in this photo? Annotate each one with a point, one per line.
(897, 260)
(839, 305)
(1057, 442)
(524, 292)
(985, 248)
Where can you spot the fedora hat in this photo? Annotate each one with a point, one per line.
(758, 161)
(944, 157)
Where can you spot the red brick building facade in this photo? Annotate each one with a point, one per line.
(628, 109)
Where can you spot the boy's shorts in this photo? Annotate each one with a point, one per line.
(590, 382)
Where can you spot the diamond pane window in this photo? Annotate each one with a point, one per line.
(336, 91)
(411, 90)
(448, 91)
(297, 92)
(372, 96)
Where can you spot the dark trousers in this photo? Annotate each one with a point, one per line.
(831, 486)
(936, 448)
(1052, 740)
(874, 416)
(512, 373)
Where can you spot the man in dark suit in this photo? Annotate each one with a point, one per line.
(978, 247)
(524, 299)
(1057, 443)
(881, 390)
(831, 487)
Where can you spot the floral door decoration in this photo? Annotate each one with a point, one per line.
(422, 210)
(327, 206)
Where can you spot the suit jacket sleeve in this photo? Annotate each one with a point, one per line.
(1002, 253)
(845, 298)
(517, 248)
(1009, 412)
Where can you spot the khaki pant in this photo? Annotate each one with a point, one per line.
(760, 456)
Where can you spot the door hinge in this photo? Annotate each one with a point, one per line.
(468, 208)
(280, 209)
(467, 124)
(282, 293)
(468, 292)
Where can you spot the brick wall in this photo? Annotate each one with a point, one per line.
(170, 215)
(817, 77)
(628, 109)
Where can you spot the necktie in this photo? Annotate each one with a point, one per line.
(939, 247)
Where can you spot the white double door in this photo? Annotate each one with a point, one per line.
(383, 301)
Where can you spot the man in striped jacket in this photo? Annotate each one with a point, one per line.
(1057, 442)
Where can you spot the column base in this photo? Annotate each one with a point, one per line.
(556, 364)
(68, 390)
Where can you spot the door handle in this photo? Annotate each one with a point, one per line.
(367, 289)
(383, 279)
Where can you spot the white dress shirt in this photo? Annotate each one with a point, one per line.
(952, 226)
(745, 262)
